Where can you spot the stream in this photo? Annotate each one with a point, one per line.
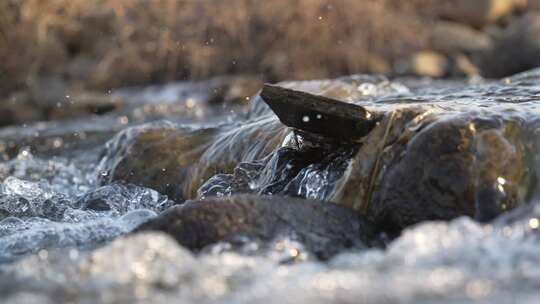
(73, 191)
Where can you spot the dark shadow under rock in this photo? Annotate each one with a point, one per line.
(325, 229)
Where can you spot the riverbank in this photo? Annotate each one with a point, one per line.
(94, 45)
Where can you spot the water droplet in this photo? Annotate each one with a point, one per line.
(43, 254)
(73, 254)
(57, 142)
(534, 223)
(190, 103)
(123, 120)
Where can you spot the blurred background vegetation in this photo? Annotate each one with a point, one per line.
(103, 44)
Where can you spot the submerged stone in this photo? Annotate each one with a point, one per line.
(176, 161)
(325, 229)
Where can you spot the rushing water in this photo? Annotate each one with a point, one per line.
(60, 224)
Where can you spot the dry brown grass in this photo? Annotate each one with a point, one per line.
(107, 43)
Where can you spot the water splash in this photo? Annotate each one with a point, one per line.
(34, 216)
(310, 173)
(456, 262)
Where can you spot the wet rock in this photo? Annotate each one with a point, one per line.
(176, 161)
(325, 229)
(161, 158)
(349, 89)
(421, 163)
(437, 155)
(463, 166)
(318, 114)
(433, 154)
(516, 49)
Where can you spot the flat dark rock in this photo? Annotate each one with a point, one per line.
(318, 114)
(324, 228)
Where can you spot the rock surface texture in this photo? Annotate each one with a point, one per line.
(324, 229)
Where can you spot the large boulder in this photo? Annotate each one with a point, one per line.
(324, 229)
(438, 154)
(430, 168)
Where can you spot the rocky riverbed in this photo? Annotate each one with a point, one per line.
(345, 190)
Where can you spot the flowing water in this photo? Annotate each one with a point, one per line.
(63, 218)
